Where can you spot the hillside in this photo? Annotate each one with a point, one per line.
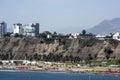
(19, 48)
(106, 26)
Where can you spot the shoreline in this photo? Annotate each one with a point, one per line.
(49, 71)
(57, 67)
(95, 70)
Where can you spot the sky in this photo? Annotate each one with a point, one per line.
(62, 16)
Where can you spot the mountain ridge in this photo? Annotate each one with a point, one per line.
(106, 27)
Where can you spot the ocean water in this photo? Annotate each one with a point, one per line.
(32, 75)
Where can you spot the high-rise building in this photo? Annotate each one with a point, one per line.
(27, 30)
(17, 28)
(3, 28)
(31, 29)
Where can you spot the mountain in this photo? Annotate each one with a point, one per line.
(106, 27)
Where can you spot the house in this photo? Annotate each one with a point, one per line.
(116, 36)
(47, 34)
(74, 35)
(100, 37)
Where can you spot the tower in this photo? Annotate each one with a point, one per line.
(3, 28)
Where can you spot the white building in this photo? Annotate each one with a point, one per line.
(74, 35)
(27, 30)
(31, 29)
(116, 36)
(17, 28)
(100, 37)
(3, 29)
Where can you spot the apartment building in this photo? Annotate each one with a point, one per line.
(3, 28)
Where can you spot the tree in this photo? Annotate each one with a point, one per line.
(89, 58)
(50, 57)
(30, 57)
(26, 56)
(16, 35)
(76, 59)
(4, 56)
(35, 56)
(55, 33)
(8, 34)
(83, 31)
(39, 57)
(108, 51)
(44, 57)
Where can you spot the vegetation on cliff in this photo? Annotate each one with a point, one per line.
(59, 48)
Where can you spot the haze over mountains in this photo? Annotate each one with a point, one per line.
(106, 27)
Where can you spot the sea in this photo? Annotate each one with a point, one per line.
(48, 75)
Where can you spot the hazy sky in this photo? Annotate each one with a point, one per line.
(63, 16)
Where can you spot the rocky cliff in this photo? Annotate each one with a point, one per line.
(99, 50)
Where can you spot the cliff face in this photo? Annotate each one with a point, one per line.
(99, 50)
